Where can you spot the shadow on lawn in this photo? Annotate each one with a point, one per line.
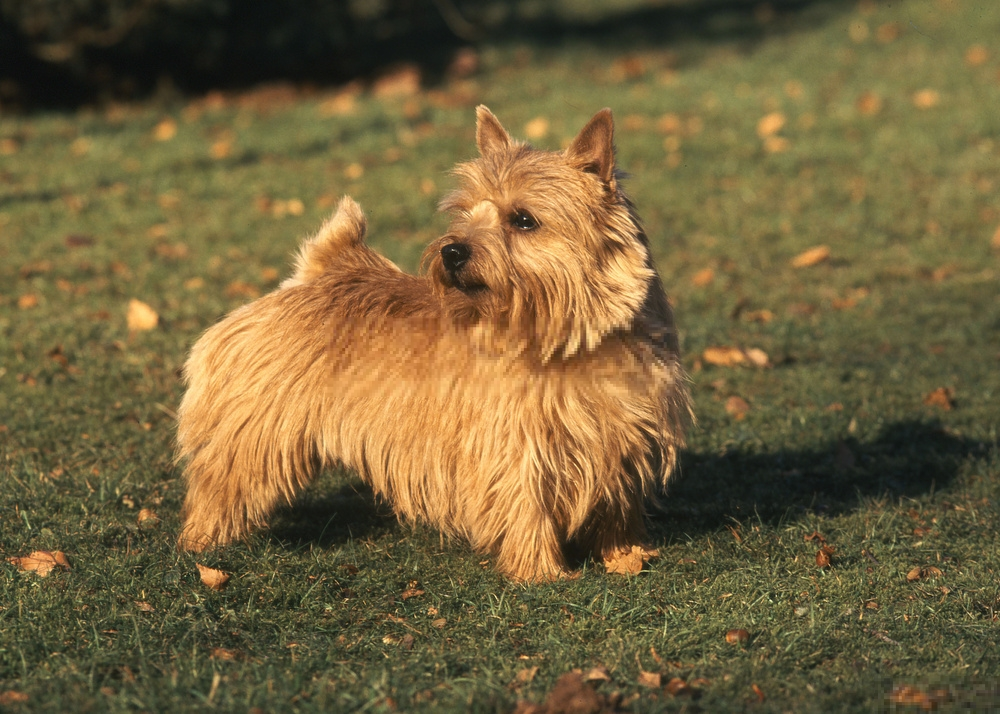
(908, 458)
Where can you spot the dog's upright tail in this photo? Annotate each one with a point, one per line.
(344, 229)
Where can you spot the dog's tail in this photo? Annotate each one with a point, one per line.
(345, 228)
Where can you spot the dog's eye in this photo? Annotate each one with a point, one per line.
(523, 221)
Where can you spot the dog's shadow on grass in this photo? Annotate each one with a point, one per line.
(329, 514)
(906, 459)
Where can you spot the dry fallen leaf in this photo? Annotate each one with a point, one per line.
(776, 144)
(411, 592)
(823, 556)
(140, 316)
(215, 579)
(526, 675)
(570, 695)
(439, 623)
(976, 55)
(926, 98)
(737, 637)
(401, 81)
(165, 130)
(869, 103)
(12, 697)
(42, 562)
(597, 674)
(653, 680)
(27, 301)
(995, 241)
(703, 277)
(811, 257)
(723, 356)
(911, 696)
(737, 407)
(629, 562)
(148, 517)
(758, 691)
(770, 124)
(222, 653)
(919, 573)
(678, 687)
(537, 128)
(144, 606)
(732, 356)
(943, 397)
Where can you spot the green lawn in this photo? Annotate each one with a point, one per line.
(880, 140)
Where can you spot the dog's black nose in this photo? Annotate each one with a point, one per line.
(454, 256)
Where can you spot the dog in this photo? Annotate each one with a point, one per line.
(524, 391)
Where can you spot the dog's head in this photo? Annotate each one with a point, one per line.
(544, 248)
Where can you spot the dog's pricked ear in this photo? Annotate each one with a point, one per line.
(593, 149)
(346, 227)
(491, 137)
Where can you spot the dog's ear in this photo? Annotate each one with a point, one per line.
(491, 137)
(593, 149)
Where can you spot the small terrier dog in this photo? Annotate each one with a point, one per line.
(524, 392)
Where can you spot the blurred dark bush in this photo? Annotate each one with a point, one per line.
(56, 52)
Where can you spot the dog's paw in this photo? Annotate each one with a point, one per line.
(630, 561)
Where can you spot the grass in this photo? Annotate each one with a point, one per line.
(96, 210)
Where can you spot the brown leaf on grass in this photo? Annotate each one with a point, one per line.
(27, 301)
(811, 257)
(815, 535)
(926, 98)
(42, 562)
(215, 579)
(911, 696)
(571, 695)
(400, 81)
(147, 517)
(943, 397)
(919, 573)
(678, 687)
(144, 606)
(537, 128)
(597, 674)
(976, 55)
(823, 556)
(525, 675)
(737, 637)
(439, 623)
(995, 241)
(241, 288)
(140, 316)
(411, 592)
(732, 356)
(165, 130)
(703, 277)
(723, 356)
(12, 697)
(737, 407)
(629, 562)
(869, 104)
(221, 653)
(759, 692)
(653, 680)
(76, 240)
(770, 125)
(776, 144)
(9, 147)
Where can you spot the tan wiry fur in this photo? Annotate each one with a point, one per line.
(528, 398)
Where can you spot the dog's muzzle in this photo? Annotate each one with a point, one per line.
(454, 256)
